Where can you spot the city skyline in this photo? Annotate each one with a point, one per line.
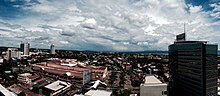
(125, 25)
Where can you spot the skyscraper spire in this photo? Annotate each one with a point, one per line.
(184, 28)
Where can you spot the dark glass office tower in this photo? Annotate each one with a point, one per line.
(24, 47)
(192, 69)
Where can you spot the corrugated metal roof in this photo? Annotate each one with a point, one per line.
(33, 77)
(39, 80)
(97, 72)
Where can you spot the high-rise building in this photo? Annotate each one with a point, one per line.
(24, 47)
(52, 49)
(192, 69)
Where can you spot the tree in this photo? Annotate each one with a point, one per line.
(22, 94)
(122, 79)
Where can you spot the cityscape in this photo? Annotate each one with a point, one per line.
(109, 48)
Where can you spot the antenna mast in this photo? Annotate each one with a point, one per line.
(184, 30)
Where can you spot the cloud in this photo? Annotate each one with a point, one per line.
(112, 25)
(216, 10)
(194, 9)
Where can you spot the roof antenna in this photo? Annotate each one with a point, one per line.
(181, 37)
(184, 30)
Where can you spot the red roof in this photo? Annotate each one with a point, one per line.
(21, 82)
(33, 77)
(27, 92)
(17, 89)
(94, 69)
(39, 80)
(61, 72)
(75, 71)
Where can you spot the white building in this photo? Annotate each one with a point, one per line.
(153, 87)
(13, 53)
(56, 88)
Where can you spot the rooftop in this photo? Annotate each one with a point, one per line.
(151, 79)
(33, 77)
(40, 82)
(98, 93)
(5, 91)
(17, 88)
(191, 42)
(57, 85)
(25, 74)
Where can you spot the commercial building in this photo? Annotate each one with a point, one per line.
(56, 88)
(13, 53)
(192, 69)
(26, 79)
(23, 78)
(153, 87)
(19, 90)
(57, 68)
(24, 47)
(52, 49)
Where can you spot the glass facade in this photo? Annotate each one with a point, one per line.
(193, 69)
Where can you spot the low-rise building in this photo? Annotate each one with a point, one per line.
(56, 88)
(21, 91)
(5, 92)
(23, 78)
(57, 68)
(38, 85)
(153, 87)
(27, 79)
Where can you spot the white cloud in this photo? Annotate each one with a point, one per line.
(90, 21)
(194, 9)
(216, 11)
(119, 25)
(150, 30)
(42, 8)
(120, 48)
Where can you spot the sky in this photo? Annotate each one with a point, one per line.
(107, 25)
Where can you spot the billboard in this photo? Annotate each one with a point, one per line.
(87, 75)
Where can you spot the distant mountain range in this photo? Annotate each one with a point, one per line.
(148, 52)
(3, 48)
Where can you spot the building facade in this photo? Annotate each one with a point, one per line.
(192, 69)
(52, 49)
(13, 53)
(24, 47)
(153, 87)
